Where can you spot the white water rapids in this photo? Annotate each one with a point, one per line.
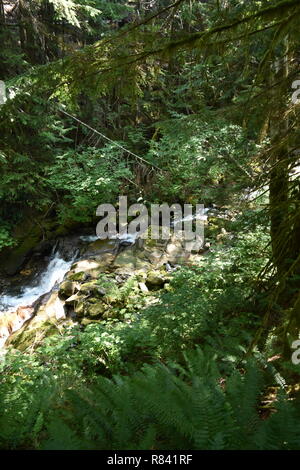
(55, 271)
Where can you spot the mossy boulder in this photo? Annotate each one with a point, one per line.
(126, 259)
(155, 280)
(86, 307)
(80, 276)
(32, 337)
(48, 320)
(67, 288)
(95, 309)
(92, 288)
(79, 308)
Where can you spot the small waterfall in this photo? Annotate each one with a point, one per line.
(54, 273)
(89, 238)
(201, 215)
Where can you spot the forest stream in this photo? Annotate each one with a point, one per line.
(22, 294)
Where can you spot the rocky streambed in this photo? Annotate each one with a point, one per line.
(85, 280)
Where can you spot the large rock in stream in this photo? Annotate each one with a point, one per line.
(49, 319)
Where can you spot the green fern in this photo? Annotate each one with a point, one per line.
(167, 408)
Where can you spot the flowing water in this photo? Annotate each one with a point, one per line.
(54, 273)
(24, 294)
